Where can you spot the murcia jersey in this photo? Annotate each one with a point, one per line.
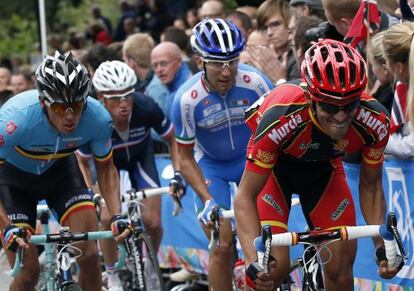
(29, 142)
(213, 122)
(284, 123)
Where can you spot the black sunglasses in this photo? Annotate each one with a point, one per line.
(334, 109)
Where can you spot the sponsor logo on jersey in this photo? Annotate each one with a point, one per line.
(18, 216)
(239, 102)
(375, 154)
(341, 145)
(66, 139)
(1, 140)
(269, 200)
(341, 209)
(137, 132)
(264, 156)
(366, 117)
(212, 109)
(77, 198)
(11, 127)
(71, 144)
(309, 146)
(277, 134)
(247, 79)
(206, 101)
(194, 94)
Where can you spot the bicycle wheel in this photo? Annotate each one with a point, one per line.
(146, 273)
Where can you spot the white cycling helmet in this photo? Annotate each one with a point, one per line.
(113, 76)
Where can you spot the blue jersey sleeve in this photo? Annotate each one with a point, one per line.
(11, 129)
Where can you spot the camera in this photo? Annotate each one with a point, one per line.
(323, 30)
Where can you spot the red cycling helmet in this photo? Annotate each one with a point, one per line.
(334, 72)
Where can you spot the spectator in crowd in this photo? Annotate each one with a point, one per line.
(99, 34)
(341, 13)
(278, 60)
(243, 22)
(168, 65)
(22, 81)
(97, 15)
(75, 44)
(159, 20)
(250, 11)
(54, 42)
(398, 51)
(177, 36)
(136, 52)
(383, 89)
(192, 19)
(96, 55)
(256, 39)
(308, 7)
(180, 24)
(127, 11)
(5, 89)
(211, 9)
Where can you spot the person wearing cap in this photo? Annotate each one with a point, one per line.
(299, 137)
(308, 8)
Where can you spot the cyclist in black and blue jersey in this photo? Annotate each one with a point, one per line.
(39, 132)
(133, 114)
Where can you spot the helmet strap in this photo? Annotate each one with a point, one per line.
(205, 71)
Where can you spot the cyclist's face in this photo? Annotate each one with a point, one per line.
(335, 124)
(221, 76)
(119, 106)
(66, 121)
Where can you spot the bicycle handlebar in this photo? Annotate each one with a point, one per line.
(133, 195)
(388, 232)
(65, 237)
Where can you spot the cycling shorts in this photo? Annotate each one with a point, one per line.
(325, 197)
(62, 186)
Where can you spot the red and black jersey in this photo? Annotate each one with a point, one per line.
(283, 122)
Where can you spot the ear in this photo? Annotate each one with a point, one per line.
(42, 102)
(198, 62)
(346, 23)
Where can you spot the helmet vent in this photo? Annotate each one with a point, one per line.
(352, 72)
(317, 73)
(339, 58)
(342, 76)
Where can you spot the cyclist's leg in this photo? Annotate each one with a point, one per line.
(74, 208)
(220, 269)
(336, 208)
(21, 210)
(145, 176)
(273, 210)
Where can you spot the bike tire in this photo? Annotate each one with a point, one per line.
(148, 262)
(72, 287)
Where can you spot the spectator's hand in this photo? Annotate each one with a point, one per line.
(178, 185)
(14, 237)
(384, 270)
(267, 60)
(120, 227)
(256, 279)
(205, 216)
(245, 58)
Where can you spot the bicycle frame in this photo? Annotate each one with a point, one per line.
(57, 273)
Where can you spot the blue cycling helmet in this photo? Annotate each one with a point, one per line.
(217, 39)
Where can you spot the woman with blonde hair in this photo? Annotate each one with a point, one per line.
(398, 49)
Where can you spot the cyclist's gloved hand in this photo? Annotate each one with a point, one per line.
(205, 215)
(178, 185)
(383, 270)
(256, 279)
(120, 227)
(13, 237)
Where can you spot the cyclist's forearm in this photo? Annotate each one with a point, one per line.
(85, 170)
(248, 225)
(4, 219)
(194, 178)
(109, 184)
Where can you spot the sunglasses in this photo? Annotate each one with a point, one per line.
(218, 65)
(334, 109)
(118, 97)
(62, 108)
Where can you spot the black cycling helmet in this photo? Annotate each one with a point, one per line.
(61, 78)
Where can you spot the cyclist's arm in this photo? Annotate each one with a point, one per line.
(84, 167)
(170, 138)
(108, 180)
(371, 196)
(247, 217)
(192, 172)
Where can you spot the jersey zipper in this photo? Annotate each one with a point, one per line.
(229, 122)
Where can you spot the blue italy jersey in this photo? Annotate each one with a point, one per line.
(213, 122)
(29, 141)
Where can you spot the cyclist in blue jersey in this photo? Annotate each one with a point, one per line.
(133, 115)
(208, 116)
(39, 131)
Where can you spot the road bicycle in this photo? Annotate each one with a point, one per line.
(142, 262)
(56, 270)
(394, 249)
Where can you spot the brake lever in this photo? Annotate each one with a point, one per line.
(392, 228)
(178, 206)
(267, 242)
(215, 231)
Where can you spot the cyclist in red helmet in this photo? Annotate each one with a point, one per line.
(300, 134)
